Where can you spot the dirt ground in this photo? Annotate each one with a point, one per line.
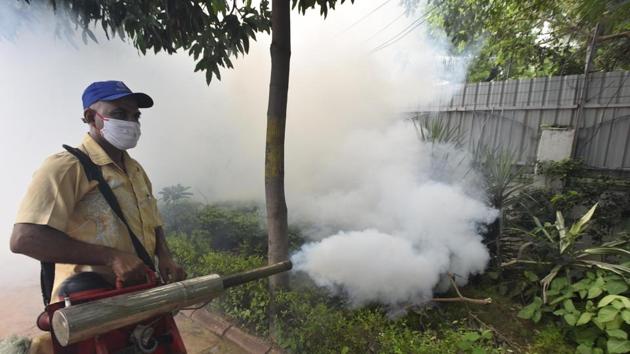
(23, 303)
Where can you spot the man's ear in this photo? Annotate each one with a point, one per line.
(88, 116)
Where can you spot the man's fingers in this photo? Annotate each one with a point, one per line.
(166, 275)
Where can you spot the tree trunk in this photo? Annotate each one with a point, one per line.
(277, 224)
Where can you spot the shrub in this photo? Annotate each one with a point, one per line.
(312, 322)
(594, 311)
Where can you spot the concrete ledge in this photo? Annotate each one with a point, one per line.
(215, 324)
(246, 341)
(224, 329)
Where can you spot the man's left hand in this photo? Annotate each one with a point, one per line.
(170, 270)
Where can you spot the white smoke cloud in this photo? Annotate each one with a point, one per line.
(401, 218)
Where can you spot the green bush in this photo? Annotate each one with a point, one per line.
(247, 303)
(238, 228)
(180, 216)
(312, 322)
(595, 311)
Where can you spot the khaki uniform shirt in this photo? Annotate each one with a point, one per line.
(61, 197)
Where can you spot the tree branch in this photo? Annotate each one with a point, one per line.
(613, 36)
(460, 297)
(522, 261)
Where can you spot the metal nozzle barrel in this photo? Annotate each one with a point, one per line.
(254, 274)
(79, 322)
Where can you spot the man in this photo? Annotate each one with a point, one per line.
(65, 219)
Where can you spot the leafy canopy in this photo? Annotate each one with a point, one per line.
(516, 39)
(211, 31)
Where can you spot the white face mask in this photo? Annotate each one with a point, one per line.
(121, 133)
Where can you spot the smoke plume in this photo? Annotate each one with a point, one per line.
(395, 220)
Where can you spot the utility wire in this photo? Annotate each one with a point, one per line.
(366, 16)
(402, 34)
(386, 26)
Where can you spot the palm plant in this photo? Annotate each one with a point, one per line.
(436, 131)
(502, 177)
(173, 194)
(563, 248)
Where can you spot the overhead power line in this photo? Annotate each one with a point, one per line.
(366, 15)
(402, 34)
(386, 26)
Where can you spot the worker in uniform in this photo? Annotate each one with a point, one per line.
(65, 220)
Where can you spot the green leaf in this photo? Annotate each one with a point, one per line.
(568, 305)
(617, 333)
(610, 298)
(584, 349)
(560, 312)
(615, 323)
(606, 250)
(559, 283)
(570, 318)
(471, 336)
(584, 318)
(615, 268)
(548, 279)
(618, 346)
(598, 323)
(607, 314)
(616, 287)
(625, 314)
(528, 311)
(594, 292)
(606, 300)
(542, 228)
(583, 284)
(537, 316)
(578, 227)
(478, 351)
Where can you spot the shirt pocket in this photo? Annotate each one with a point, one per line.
(146, 203)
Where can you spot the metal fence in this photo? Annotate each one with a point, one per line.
(510, 114)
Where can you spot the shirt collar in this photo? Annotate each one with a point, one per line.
(96, 152)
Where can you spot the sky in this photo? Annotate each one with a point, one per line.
(212, 137)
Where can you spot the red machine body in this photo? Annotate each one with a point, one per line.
(158, 335)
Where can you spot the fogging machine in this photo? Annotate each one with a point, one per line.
(137, 319)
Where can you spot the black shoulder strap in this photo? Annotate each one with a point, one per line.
(93, 172)
(46, 280)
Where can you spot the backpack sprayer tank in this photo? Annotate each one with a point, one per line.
(139, 311)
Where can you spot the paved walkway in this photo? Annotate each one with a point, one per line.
(23, 303)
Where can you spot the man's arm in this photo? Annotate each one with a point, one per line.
(47, 244)
(169, 269)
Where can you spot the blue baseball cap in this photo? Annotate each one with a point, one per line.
(113, 90)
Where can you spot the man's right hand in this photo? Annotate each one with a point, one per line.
(128, 267)
(47, 244)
